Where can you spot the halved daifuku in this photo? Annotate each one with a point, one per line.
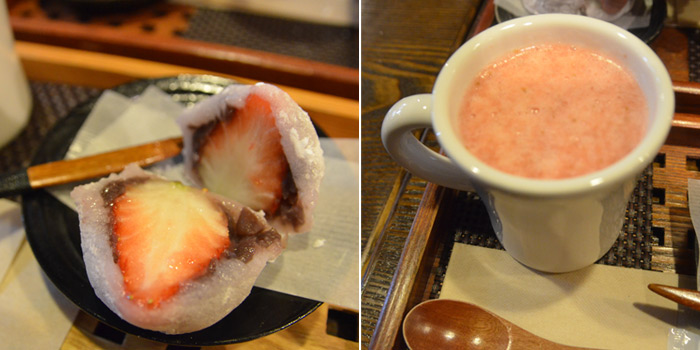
(255, 145)
(168, 257)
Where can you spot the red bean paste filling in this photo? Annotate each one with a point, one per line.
(290, 209)
(246, 234)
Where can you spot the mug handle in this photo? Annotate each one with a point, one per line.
(408, 114)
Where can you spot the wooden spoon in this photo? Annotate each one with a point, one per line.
(450, 324)
(687, 297)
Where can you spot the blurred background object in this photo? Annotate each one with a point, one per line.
(106, 6)
(643, 18)
(312, 45)
(331, 12)
(684, 13)
(628, 14)
(15, 110)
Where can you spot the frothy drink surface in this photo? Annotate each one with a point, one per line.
(552, 111)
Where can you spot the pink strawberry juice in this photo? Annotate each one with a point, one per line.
(552, 111)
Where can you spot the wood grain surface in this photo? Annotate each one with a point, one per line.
(337, 116)
(451, 323)
(404, 44)
(309, 333)
(672, 47)
(33, 22)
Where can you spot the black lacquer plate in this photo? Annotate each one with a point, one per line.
(646, 34)
(54, 236)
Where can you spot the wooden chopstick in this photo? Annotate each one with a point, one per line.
(67, 171)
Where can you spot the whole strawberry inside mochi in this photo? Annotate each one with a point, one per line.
(242, 157)
(255, 145)
(165, 233)
(168, 257)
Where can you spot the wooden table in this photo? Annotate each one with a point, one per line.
(336, 113)
(404, 44)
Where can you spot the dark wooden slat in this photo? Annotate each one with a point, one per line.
(687, 97)
(390, 320)
(672, 47)
(404, 44)
(263, 66)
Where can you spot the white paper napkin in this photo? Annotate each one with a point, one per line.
(319, 265)
(600, 306)
(11, 233)
(118, 122)
(324, 263)
(33, 314)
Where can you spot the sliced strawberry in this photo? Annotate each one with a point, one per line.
(166, 233)
(242, 158)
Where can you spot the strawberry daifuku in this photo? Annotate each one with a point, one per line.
(168, 257)
(255, 145)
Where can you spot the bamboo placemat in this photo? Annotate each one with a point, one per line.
(325, 43)
(311, 41)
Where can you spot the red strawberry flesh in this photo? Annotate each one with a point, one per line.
(166, 233)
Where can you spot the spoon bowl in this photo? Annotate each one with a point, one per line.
(451, 324)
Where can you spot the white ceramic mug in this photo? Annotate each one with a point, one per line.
(17, 101)
(549, 225)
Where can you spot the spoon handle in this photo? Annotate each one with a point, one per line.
(687, 297)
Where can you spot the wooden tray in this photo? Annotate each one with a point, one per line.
(153, 32)
(678, 160)
(336, 115)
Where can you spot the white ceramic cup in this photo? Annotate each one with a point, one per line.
(16, 98)
(549, 225)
